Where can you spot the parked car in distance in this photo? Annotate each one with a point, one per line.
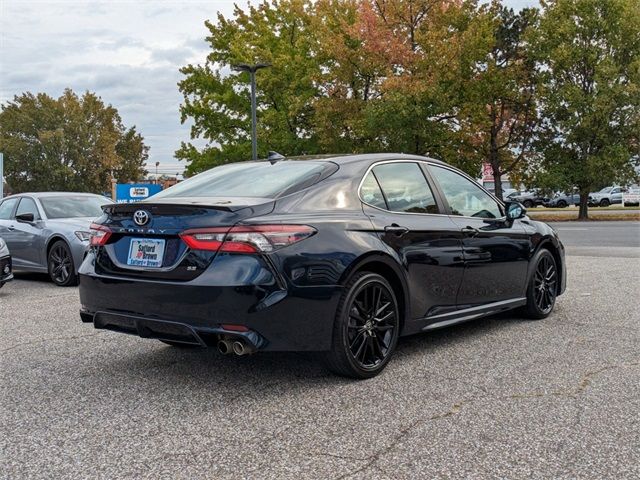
(49, 232)
(6, 274)
(529, 199)
(334, 254)
(631, 196)
(562, 200)
(605, 197)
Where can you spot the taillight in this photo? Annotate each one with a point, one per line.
(99, 235)
(246, 238)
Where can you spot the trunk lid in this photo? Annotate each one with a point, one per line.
(157, 231)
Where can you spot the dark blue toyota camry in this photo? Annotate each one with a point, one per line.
(335, 254)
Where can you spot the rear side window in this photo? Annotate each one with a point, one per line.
(252, 179)
(6, 208)
(370, 192)
(405, 188)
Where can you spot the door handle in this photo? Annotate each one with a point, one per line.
(11, 228)
(396, 229)
(470, 231)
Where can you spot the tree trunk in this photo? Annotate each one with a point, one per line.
(584, 211)
(497, 179)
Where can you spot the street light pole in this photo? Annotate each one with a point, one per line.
(252, 69)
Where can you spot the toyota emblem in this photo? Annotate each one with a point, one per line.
(140, 217)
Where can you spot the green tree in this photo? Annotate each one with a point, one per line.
(218, 103)
(497, 114)
(70, 143)
(588, 55)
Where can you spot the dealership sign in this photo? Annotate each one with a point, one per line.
(132, 193)
(487, 172)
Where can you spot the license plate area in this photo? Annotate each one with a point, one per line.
(146, 252)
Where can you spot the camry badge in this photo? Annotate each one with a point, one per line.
(140, 217)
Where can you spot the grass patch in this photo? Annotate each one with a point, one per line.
(593, 216)
(575, 209)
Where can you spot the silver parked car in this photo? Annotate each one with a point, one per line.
(49, 231)
(605, 197)
(5, 263)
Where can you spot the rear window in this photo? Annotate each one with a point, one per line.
(252, 179)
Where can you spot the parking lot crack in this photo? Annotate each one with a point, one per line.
(585, 382)
(399, 437)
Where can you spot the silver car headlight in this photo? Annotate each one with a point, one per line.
(83, 236)
(2, 244)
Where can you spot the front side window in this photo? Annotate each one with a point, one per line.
(464, 196)
(27, 205)
(6, 208)
(405, 188)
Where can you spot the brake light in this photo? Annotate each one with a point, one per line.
(99, 235)
(246, 238)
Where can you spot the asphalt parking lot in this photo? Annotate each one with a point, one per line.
(497, 398)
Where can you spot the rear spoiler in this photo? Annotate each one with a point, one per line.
(183, 205)
(179, 205)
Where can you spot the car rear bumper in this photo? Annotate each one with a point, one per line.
(292, 319)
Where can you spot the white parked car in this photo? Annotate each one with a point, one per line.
(631, 196)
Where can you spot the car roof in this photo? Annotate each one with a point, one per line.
(342, 159)
(54, 194)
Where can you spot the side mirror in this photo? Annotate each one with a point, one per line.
(515, 210)
(25, 217)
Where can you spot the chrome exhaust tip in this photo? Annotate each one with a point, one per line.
(239, 348)
(225, 347)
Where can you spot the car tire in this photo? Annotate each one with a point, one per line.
(366, 327)
(543, 286)
(528, 204)
(562, 204)
(605, 202)
(60, 265)
(180, 344)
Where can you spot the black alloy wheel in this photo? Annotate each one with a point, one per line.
(528, 204)
(366, 327)
(543, 287)
(562, 204)
(605, 202)
(60, 262)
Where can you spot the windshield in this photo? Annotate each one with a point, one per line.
(251, 179)
(606, 190)
(73, 206)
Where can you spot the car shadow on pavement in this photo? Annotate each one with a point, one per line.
(33, 277)
(206, 368)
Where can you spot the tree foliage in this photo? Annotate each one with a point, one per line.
(532, 93)
(361, 76)
(69, 143)
(588, 55)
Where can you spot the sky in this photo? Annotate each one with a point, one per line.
(127, 51)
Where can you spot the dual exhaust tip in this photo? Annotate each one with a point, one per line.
(226, 346)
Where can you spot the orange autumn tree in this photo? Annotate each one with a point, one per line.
(346, 76)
